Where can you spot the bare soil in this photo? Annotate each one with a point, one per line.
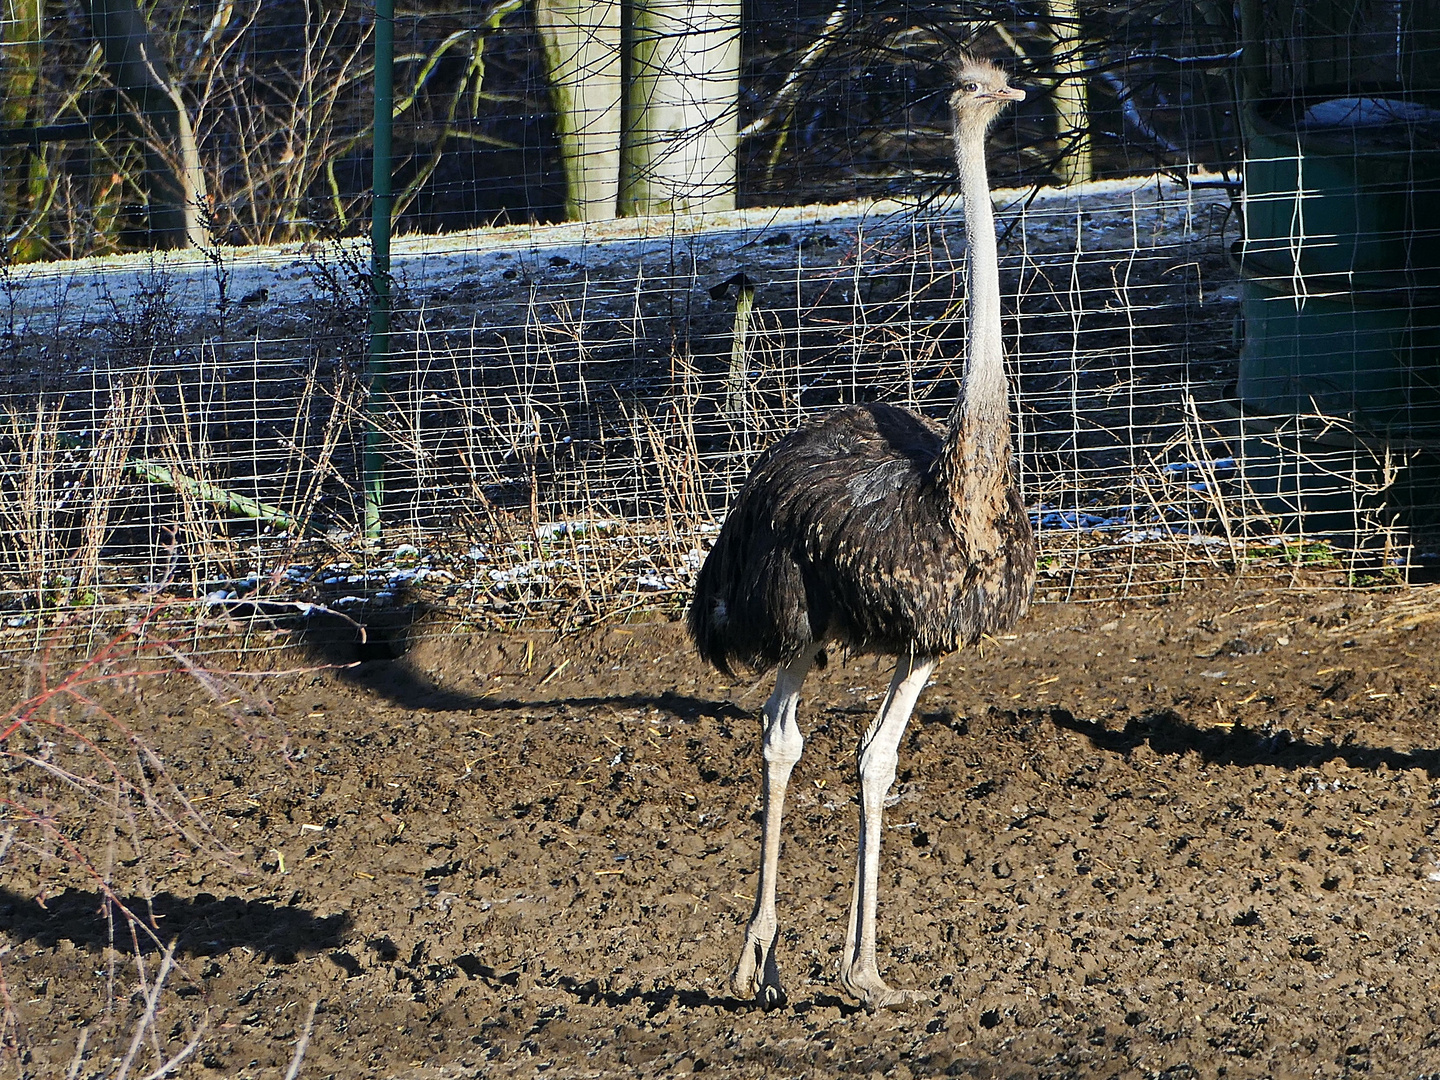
(1186, 837)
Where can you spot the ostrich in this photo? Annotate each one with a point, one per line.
(882, 532)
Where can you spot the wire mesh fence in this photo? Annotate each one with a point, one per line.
(635, 243)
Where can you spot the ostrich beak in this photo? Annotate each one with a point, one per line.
(1007, 93)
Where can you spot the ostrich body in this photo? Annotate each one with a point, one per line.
(883, 532)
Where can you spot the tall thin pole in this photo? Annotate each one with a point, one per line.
(380, 210)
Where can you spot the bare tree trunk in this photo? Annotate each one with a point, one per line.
(1072, 114)
(682, 103)
(582, 51)
(156, 117)
(22, 170)
(1254, 81)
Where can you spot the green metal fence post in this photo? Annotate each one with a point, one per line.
(380, 210)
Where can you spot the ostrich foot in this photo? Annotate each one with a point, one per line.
(756, 975)
(874, 994)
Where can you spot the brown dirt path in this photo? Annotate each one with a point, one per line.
(1191, 838)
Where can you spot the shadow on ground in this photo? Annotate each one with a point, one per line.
(1169, 733)
(203, 926)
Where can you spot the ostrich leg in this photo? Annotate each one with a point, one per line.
(755, 973)
(879, 754)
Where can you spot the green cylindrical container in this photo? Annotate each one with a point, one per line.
(1358, 202)
(1340, 267)
(1372, 357)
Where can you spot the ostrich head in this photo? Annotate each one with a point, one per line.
(981, 91)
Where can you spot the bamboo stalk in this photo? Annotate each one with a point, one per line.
(240, 505)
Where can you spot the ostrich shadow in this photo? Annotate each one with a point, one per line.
(373, 657)
(366, 651)
(684, 706)
(204, 925)
(1168, 733)
(376, 660)
(662, 998)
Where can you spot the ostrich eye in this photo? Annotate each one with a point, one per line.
(971, 87)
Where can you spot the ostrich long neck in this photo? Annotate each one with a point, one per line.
(974, 465)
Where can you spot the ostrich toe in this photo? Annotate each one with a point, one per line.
(874, 994)
(756, 975)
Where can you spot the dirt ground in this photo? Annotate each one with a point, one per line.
(1191, 837)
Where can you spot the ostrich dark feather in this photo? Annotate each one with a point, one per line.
(844, 532)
